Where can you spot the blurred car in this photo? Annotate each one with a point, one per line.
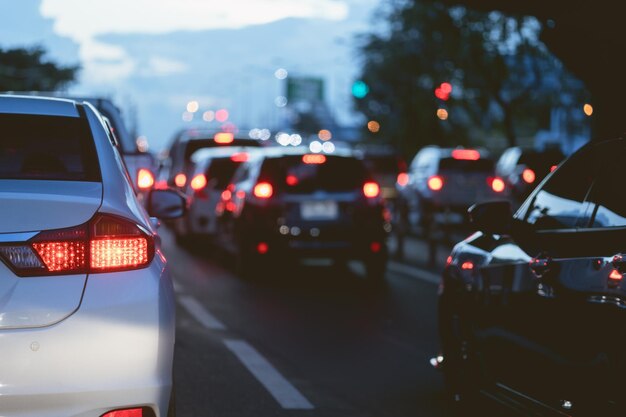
(86, 300)
(443, 183)
(178, 166)
(289, 204)
(523, 169)
(141, 165)
(532, 307)
(213, 170)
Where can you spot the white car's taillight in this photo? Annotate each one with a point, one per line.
(105, 243)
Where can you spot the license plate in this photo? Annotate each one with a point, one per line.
(319, 210)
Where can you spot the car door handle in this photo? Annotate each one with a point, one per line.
(540, 265)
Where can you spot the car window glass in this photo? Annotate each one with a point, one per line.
(561, 202)
(464, 165)
(221, 171)
(607, 197)
(47, 148)
(241, 174)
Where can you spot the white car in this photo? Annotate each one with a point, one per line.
(213, 169)
(87, 317)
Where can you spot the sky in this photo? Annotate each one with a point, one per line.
(154, 56)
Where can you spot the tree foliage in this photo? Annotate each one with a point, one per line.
(503, 77)
(28, 70)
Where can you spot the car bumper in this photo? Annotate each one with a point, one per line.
(115, 351)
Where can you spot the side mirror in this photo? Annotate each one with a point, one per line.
(166, 204)
(495, 217)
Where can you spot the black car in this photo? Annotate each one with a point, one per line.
(288, 204)
(532, 308)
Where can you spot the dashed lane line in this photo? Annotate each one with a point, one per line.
(282, 390)
(200, 313)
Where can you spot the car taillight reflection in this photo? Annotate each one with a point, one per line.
(263, 190)
(528, 175)
(403, 179)
(371, 189)
(435, 183)
(106, 243)
(145, 179)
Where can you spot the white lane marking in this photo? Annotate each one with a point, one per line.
(415, 272)
(200, 313)
(178, 288)
(286, 394)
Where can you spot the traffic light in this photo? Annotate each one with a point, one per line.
(443, 91)
(360, 89)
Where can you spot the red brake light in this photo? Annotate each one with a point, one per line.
(223, 138)
(403, 179)
(129, 412)
(615, 275)
(497, 184)
(435, 183)
(552, 168)
(226, 195)
(180, 180)
(145, 179)
(263, 190)
(314, 158)
(375, 247)
(105, 243)
(467, 154)
(528, 175)
(262, 248)
(467, 265)
(291, 180)
(198, 182)
(371, 189)
(239, 157)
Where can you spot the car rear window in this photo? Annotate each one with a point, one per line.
(384, 164)
(193, 145)
(292, 175)
(465, 165)
(47, 148)
(221, 170)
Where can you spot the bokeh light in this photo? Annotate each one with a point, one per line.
(281, 73)
(208, 116)
(316, 147)
(588, 109)
(442, 114)
(221, 115)
(280, 101)
(325, 134)
(187, 116)
(193, 106)
(373, 126)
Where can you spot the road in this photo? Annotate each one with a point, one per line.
(316, 340)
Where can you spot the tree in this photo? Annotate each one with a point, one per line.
(28, 70)
(502, 75)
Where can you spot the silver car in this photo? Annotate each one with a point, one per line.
(86, 299)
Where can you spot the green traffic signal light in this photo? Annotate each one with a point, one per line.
(360, 89)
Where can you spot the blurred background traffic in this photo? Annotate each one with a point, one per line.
(348, 129)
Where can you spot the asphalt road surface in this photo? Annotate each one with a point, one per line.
(317, 340)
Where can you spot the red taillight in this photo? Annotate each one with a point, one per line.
(615, 275)
(467, 265)
(291, 180)
(106, 243)
(497, 184)
(223, 138)
(145, 179)
(449, 260)
(180, 180)
(129, 412)
(435, 183)
(239, 157)
(262, 248)
(375, 247)
(313, 158)
(198, 182)
(528, 175)
(552, 168)
(371, 189)
(466, 154)
(227, 195)
(263, 190)
(403, 179)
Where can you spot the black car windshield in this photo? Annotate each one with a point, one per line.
(466, 165)
(299, 174)
(47, 148)
(220, 171)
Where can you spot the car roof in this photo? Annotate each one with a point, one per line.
(44, 106)
(280, 151)
(218, 152)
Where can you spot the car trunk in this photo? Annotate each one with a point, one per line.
(28, 207)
